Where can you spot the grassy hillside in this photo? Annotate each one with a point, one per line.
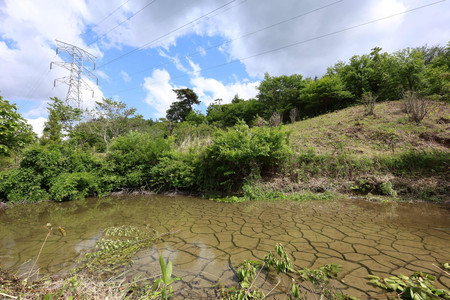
(389, 130)
(384, 154)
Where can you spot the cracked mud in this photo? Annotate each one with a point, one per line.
(365, 238)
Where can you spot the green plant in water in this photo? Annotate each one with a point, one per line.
(282, 263)
(116, 248)
(418, 286)
(247, 271)
(163, 285)
(320, 275)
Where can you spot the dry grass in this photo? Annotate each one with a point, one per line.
(78, 286)
(389, 129)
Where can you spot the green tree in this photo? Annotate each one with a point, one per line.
(111, 119)
(280, 93)
(410, 69)
(15, 133)
(179, 110)
(323, 95)
(61, 121)
(437, 73)
(227, 115)
(374, 73)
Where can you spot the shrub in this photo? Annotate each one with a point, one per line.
(174, 171)
(132, 156)
(343, 165)
(22, 185)
(275, 119)
(72, 186)
(369, 101)
(386, 188)
(47, 161)
(79, 160)
(415, 106)
(239, 152)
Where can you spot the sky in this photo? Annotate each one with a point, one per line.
(219, 48)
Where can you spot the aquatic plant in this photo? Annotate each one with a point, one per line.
(115, 250)
(282, 263)
(418, 286)
(163, 286)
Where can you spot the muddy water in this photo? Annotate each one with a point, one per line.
(212, 238)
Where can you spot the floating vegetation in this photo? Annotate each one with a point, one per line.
(116, 248)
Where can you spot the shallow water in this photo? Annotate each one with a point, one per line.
(212, 238)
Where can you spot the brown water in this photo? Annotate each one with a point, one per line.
(212, 238)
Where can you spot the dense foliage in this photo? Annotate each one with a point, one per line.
(15, 133)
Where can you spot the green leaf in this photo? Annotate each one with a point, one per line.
(169, 269)
(295, 291)
(156, 284)
(163, 266)
(48, 297)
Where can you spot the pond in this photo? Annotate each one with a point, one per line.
(211, 238)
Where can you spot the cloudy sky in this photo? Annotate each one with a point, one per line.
(219, 48)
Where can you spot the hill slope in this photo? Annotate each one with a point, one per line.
(388, 130)
(347, 151)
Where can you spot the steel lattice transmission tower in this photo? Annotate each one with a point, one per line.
(79, 67)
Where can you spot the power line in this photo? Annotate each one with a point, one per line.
(298, 43)
(243, 36)
(37, 83)
(126, 20)
(105, 18)
(165, 35)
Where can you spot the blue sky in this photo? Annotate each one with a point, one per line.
(219, 48)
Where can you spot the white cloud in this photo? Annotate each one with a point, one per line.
(101, 74)
(174, 59)
(125, 76)
(156, 27)
(160, 92)
(38, 125)
(32, 27)
(201, 51)
(195, 67)
(209, 89)
(28, 30)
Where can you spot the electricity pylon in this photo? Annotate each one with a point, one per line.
(79, 63)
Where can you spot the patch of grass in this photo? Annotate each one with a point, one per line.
(258, 191)
(417, 162)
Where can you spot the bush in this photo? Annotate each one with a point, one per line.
(22, 185)
(386, 188)
(132, 156)
(415, 106)
(72, 186)
(79, 160)
(174, 171)
(239, 152)
(369, 100)
(47, 161)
